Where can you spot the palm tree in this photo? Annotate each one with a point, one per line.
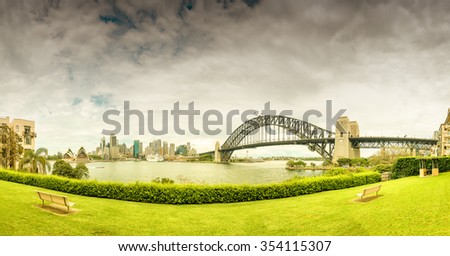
(35, 162)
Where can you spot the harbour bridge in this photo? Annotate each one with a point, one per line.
(269, 130)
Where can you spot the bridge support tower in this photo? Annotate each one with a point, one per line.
(217, 153)
(345, 129)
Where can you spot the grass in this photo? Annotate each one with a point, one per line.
(409, 206)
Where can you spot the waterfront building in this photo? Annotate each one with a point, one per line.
(82, 156)
(444, 137)
(25, 129)
(69, 155)
(16, 136)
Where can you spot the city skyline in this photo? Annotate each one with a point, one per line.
(64, 64)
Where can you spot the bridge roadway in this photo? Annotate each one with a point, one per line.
(357, 142)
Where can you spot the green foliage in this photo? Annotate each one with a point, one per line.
(387, 156)
(409, 166)
(206, 157)
(181, 150)
(54, 157)
(95, 157)
(81, 171)
(312, 164)
(35, 162)
(380, 168)
(64, 169)
(163, 180)
(336, 171)
(344, 162)
(359, 162)
(296, 163)
(327, 162)
(405, 166)
(355, 162)
(190, 193)
(344, 171)
(11, 149)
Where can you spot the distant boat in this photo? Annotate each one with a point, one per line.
(100, 167)
(155, 158)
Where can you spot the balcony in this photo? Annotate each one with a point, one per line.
(29, 134)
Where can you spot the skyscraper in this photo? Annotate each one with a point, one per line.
(136, 149)
(156, 146)
(112, 140)
(165, 148)
(172, 149)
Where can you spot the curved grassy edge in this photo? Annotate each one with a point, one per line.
(190, 193)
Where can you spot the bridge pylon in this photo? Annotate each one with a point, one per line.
(217, 153)
(345, 129)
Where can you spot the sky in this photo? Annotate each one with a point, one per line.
(64, 63)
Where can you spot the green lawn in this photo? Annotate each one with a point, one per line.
(408, 206)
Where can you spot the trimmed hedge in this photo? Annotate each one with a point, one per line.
(409, 166)
(190, 193)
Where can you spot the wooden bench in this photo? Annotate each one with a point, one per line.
(368, 191)
(57, 199)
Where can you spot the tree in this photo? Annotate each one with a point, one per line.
(181, 150)
(62, 168)
(344, 162)
(35, 162)
(296, 163)
(206, 158)
(81, 171)
(386, 156)
(12, 150)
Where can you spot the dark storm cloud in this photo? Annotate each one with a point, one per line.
(375, 57)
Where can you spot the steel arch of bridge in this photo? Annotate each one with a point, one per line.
(317, 139)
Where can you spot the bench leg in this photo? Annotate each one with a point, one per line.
(42, 203)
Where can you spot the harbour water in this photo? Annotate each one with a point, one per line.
(202, 173)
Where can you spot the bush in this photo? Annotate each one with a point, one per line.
(163, 180)
(380, 168)
(344, 162)
(336, 171)
(189, 193)
(206, 158)
(359, 162)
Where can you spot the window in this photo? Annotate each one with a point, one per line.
(27, 129)
(28, 140)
